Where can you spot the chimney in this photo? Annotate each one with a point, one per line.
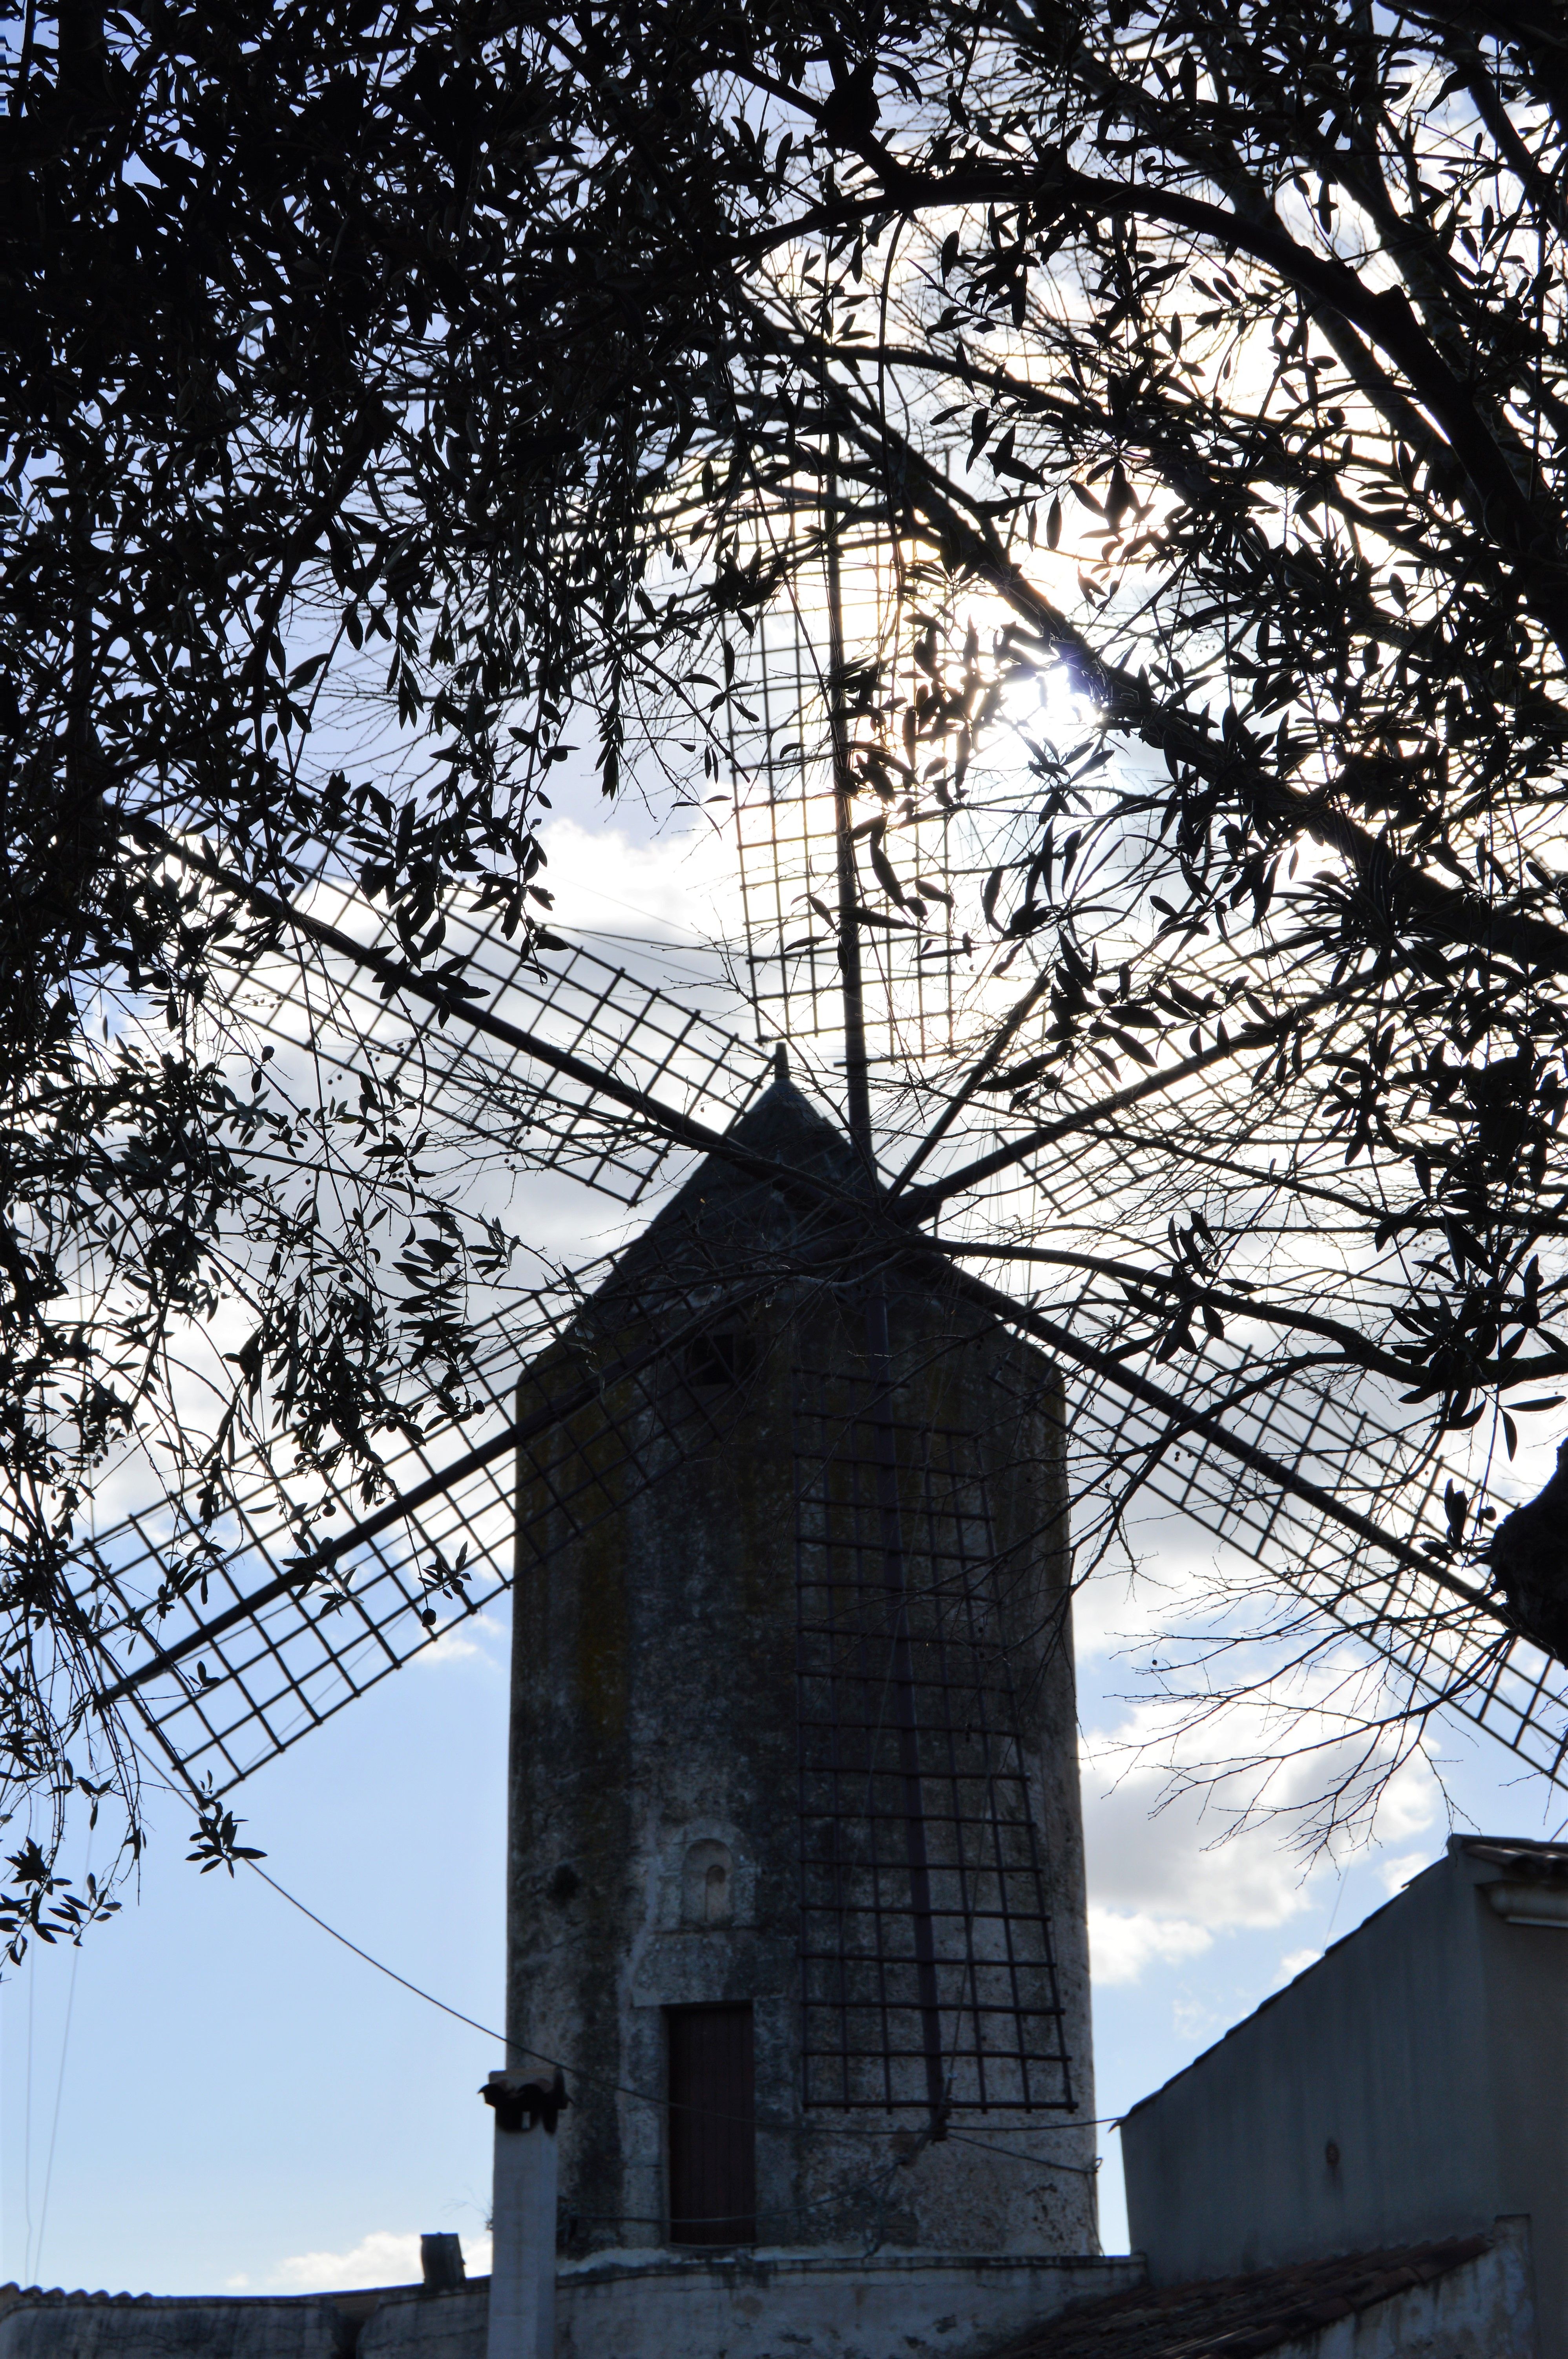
(442, 2263)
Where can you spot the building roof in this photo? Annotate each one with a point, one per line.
(803, 1212)
(1516, 1855)
(1236, 2318)
(360, 2301)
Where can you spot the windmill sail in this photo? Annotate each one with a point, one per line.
(230, 1655)
(490, 1098)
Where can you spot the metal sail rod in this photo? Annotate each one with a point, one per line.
(978, 1074)
(879, 1354)
(857, 1087)
(1062, 1341)
(920, 1202)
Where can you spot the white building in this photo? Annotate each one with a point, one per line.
(1412, 2083)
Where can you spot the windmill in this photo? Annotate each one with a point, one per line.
(582, 1069)
(230, 1636)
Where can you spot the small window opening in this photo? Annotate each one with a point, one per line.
(712, 2132)
(720, 1356)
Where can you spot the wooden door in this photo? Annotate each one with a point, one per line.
(713, 2151)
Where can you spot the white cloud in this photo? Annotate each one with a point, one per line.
(1122, 1945)
(1413, 1800)
(1113, 1611)
(386, 2257)
(1174, 1861)
(449, 1647)
(1294, 1962)
(673, 886)
(1197, 2021)
(1169, 1870)
(455, 1645)
(1176, 1568)
(1396, 1873)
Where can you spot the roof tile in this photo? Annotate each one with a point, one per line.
(1241, 2318)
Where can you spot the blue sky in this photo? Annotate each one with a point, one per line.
(239, 2094)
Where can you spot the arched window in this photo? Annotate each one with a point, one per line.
(707, 1882)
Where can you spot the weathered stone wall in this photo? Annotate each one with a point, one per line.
(621, 2306)
(39, 2325)
(782, 2305)
(654, 1734)
(1484, 2310)
(804, 2306)
(653, 1714)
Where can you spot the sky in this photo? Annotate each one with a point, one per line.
(214, 2096)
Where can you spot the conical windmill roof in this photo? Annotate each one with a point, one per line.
(732, 1228)
(727, 1214)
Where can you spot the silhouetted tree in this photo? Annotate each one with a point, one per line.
(384, 386)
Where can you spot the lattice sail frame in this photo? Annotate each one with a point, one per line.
(923, 968)
(925, 1925)
(495, 1105)
(217, 1703)
(231, 1701)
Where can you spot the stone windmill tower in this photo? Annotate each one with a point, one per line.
(796, 1872)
